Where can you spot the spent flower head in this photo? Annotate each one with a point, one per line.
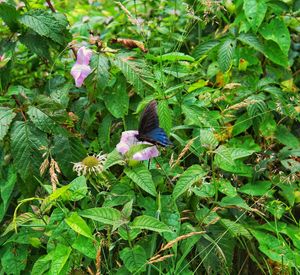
(90, 165)
(129, 140)
(81, 68)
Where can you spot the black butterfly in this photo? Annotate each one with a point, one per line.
(149, 129)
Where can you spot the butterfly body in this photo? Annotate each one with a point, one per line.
(149, 129)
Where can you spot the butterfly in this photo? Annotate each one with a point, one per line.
(149, 129)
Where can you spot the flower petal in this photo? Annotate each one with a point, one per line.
(83, 56)
(146, 154)
(128, 139)
(80, 73)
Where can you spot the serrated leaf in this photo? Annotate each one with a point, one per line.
(77, 189)
(42, 264)
(46, 24)
(136, 72)
(113, 158)
(176, 56)
(277, 31)
(234, 201)
(85, 246)
(187, 179)
(225, 54)
(36, 43)
(14, 259)
(142, 177)
(26, 143)
(276, 248)
(251, 40)
(59, 259)
(117, 99)
(9, 15)
(149, 223)
(204, 48)
(165, 116)
(274, 53)
(68, 151)
(44, 122)
(101, 65)
(104, 215)
(6, 189)
(259, 188)
(79, 225)
(255, 11)
(135, 258)
(236, 229)
(241, 124)
(208, 139)
(284, 136)
(6, 117)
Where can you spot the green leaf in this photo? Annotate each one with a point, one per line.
(225, 54)
(79, 225)
(284, 136)
(259, 188)
(176, 56)
(274, 53)
(234, 201)
(225, 187)
(149, 223)
(241, 124)
(85, 246)
(255, 11)
(26, 143)
(136, 72)
(104, 215)
(36, 43)
(223, 156)
(116, 99)
(104, 132)
(251, 40)
(113, 158)
(135, 259)
(59, 259)
(77, 189)
(9, 15)
(236, 229)
(208, 139)
(53, 26)
(142, 177)
(68, 151)
(276, 249)
(14, 259)
(204, 48)
(187, 179)
(6, 189)
(44, 122)
(101, 65)
(42, 264)
(6, 117)
(165, 116)
(277, 31)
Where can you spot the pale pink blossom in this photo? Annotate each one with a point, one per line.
(128, 139)
(81, 68)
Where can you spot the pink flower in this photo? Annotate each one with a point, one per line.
(81, 68)
(128, 140)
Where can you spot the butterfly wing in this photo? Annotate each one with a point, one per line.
(149, 129)
(157, 136)
(149, 119)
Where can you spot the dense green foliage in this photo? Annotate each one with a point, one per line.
(224, 199)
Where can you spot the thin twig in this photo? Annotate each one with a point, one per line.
(50, 5)
(20, 107)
